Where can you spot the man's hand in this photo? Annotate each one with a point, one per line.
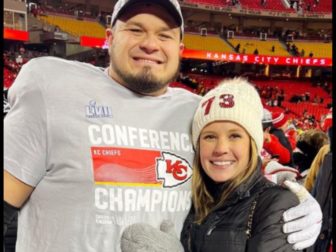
(142, 237)
(304, 221)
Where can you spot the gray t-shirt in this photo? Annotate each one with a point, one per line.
(99, 156)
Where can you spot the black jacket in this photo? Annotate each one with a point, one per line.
(225, 228)
(322, 191)
(303, 160)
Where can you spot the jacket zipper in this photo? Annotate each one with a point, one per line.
(210, 230)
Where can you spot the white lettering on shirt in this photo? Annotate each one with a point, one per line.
(135, 200)
(108, 134)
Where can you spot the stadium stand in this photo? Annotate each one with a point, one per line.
(219, 3)
(248, 45)
(209, 43)
(323, 6)
(312, 99)
(74, 26)
(274, 5)
(317, 48)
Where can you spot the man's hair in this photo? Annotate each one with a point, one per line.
(171, 6)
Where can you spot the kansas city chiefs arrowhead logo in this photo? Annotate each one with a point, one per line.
(172, 169)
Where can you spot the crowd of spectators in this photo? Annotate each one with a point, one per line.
(304, 5)
(13, 61)
(291, 151)
(66, 8)
(274, 96)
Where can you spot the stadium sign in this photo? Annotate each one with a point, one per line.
(229, 57)
(15, 34)
(256, 59)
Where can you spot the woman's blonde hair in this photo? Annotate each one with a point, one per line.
(315, 167)
(203, 201)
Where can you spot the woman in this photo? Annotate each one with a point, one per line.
(235, 208)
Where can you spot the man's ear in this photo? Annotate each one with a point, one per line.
(181, 49)
(109, 36)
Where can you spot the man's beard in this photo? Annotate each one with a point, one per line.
(144, 82)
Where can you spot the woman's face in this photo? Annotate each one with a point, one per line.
(224, 150)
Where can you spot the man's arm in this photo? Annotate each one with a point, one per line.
(303, 222)
(15, 195)
(15, 191)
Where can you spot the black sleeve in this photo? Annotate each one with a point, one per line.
(322, 191)
(10, 213)
(267, 234)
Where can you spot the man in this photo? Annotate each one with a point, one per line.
(272, 144)
(91, 151)
(280, 124)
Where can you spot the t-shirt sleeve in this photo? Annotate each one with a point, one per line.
(267, 234)
(25, 126)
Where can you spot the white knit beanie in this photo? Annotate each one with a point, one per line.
(233, 100)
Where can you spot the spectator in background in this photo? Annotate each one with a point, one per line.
(307, 96)
(291, 134)
(237, 48)
(19, 59)
(256, 52)
(279, 129)
(273, 147)
(322, 191)
(326, 122)
(288, 46)
(307, 146)
(280, 97)
(302, 54)
(201, 90)
(234, 2)
(315, 167)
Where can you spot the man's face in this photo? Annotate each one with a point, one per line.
(145, 49)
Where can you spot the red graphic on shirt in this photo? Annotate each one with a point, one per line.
(123, 165)
(132, 167)
(177, 169)
(173, 170)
